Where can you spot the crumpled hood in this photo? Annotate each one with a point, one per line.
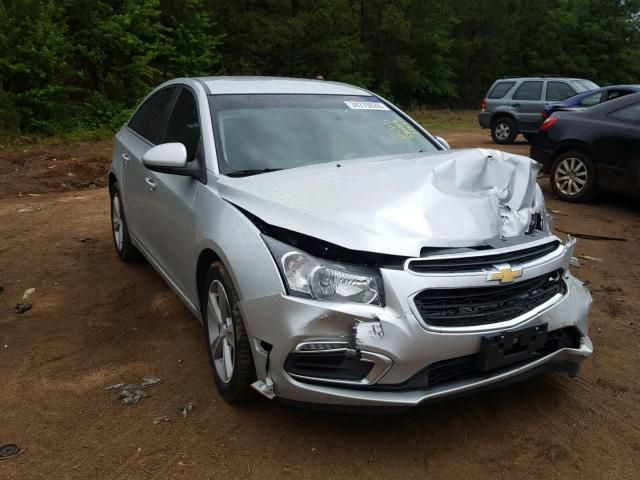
(392, 205)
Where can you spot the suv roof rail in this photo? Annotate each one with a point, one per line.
(536, 76)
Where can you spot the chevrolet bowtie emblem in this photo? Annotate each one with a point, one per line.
(505, 273)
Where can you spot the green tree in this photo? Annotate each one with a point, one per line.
(192, 39)
(114, 45)
(33, 49)
(73, 64)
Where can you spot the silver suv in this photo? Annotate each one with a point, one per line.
(514, 104)
(336, 252)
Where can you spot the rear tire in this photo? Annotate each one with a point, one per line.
(573, 176)
(504, 130)
(125, 249)
(529, 136)
(228, 345)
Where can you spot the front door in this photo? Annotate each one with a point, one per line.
(145, 130)
(168, 221)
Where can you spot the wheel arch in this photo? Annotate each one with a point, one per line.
(205, 259)
(499, 114)
(227, 235)
(575, 145)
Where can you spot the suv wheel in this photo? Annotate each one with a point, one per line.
(504, 130)
(228, 344)
(121, 240)
(573, 177)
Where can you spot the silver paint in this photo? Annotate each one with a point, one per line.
(398, 205)
(458, 198)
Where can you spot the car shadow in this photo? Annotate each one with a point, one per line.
(602, 203)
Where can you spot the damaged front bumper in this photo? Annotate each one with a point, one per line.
(389, 356)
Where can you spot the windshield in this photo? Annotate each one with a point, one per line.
(265, 132)
(584, 85)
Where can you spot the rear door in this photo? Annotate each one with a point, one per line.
(168, 216)
(144, 131)
(527, 105)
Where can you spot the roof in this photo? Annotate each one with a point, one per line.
(274, 85)
(605, 89)
(542, 77)
(611, 87)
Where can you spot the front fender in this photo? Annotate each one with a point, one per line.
(226, 231)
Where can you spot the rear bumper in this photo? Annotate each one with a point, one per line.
(542, 151)
(484, 118)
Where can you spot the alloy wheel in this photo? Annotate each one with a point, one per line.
(220, 328)
(571, 176)
(502, 131)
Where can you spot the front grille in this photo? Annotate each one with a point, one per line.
(478, 263)
(464, 307)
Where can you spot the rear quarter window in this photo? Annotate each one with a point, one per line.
(591, 100)
(500, 89)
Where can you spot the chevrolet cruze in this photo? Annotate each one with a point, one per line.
(337, 253)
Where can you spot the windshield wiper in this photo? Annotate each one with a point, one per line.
(251, 171)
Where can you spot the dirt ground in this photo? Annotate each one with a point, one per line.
(97, 321)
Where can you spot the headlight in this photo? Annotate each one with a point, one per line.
(320, 279)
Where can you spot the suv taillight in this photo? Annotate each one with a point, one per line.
(547, 123)
(483, 105)
(544, 114)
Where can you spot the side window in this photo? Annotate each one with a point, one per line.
(590, 100)
(149, 119)
(500, 90)
(557, 91)
(611, 94)
(630, 113)
(184, 124)
(531, 90)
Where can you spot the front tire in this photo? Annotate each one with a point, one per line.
(125, 249)
(228, 345)
(573, 176)
(504, 130)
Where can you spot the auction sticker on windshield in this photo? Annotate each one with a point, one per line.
(366, 106)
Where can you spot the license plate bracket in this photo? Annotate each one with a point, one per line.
(506, 348)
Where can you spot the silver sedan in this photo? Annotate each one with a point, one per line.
(336, 252)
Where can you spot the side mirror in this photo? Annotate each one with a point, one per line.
(165, 156)
(443, 142)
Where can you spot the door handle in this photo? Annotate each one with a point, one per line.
(151, 183)
(516, 105)
(125, 158)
